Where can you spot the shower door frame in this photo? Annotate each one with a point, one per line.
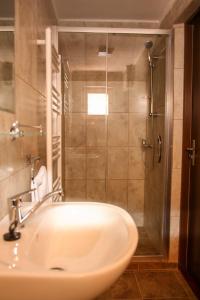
(168, 112)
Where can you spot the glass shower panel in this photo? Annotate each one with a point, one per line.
(155, 160)
(124, 143)
(128, 109)
(114, 148)
(86, 119)
(97, 110)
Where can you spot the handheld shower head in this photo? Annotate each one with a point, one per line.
(148, 45)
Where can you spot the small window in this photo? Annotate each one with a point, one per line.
(97, 103)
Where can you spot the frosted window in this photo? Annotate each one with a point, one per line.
(97, 104)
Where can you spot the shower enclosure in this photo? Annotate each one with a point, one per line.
(117, 125)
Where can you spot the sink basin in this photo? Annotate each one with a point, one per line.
(68, 251)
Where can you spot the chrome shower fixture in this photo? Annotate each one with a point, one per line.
(16, 131)
(148, 45)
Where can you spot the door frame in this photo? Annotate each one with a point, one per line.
(186, 164)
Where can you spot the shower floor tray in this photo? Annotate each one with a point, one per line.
(145, 246)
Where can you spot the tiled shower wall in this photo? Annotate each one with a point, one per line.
(31, 18)
(104, 160)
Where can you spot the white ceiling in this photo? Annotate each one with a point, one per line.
(131, 10)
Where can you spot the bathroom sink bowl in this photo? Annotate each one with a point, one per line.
(68, 251)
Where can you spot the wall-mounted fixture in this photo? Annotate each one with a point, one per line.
(146, 145)
(16, 131)
(159, 143)
(104, 51)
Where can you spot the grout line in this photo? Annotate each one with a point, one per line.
(31, 86)
(138, 285)
(15, 173)
(187, 297)
(184, 284)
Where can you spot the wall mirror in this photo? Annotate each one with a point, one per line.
(7, 22)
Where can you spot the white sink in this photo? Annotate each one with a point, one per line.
(68, 251)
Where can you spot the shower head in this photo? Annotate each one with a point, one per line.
(148, 44)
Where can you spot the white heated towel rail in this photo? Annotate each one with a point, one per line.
(54, 112)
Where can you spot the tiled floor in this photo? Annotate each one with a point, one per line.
(149, 284)
(145, 246)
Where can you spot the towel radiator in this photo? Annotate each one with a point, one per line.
(54, 112)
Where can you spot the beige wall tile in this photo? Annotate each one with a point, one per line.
(96, 190)
(27, 113)
(27, 102)
(174, 239)
(141, 68)
(76, 130)
(118, 130)
(32, 17)
(4, 194)
(175, 192)
(178, 93)
(11, 153)
(117, 97)
(25, 34)
(177, 141)
(136, 163)
(137, 129)
(118, 163)
(78, 101)
(179, 48)
(75, 190)
(75, 163)
(177, 144)
(96, 163)
(138, 98)
(96, 131)
(18, 181)
(136, 196)
(116, 193)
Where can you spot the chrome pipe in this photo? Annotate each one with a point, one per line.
(16, 131)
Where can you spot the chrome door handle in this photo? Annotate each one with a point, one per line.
(159, 141)
(192, 152)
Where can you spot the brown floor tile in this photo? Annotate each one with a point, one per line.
(124, 289)
(186, 286)
(133, 266)
(155, 284)
(182, 298)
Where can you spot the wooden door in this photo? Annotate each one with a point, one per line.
(189, 260)
(194, 206)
